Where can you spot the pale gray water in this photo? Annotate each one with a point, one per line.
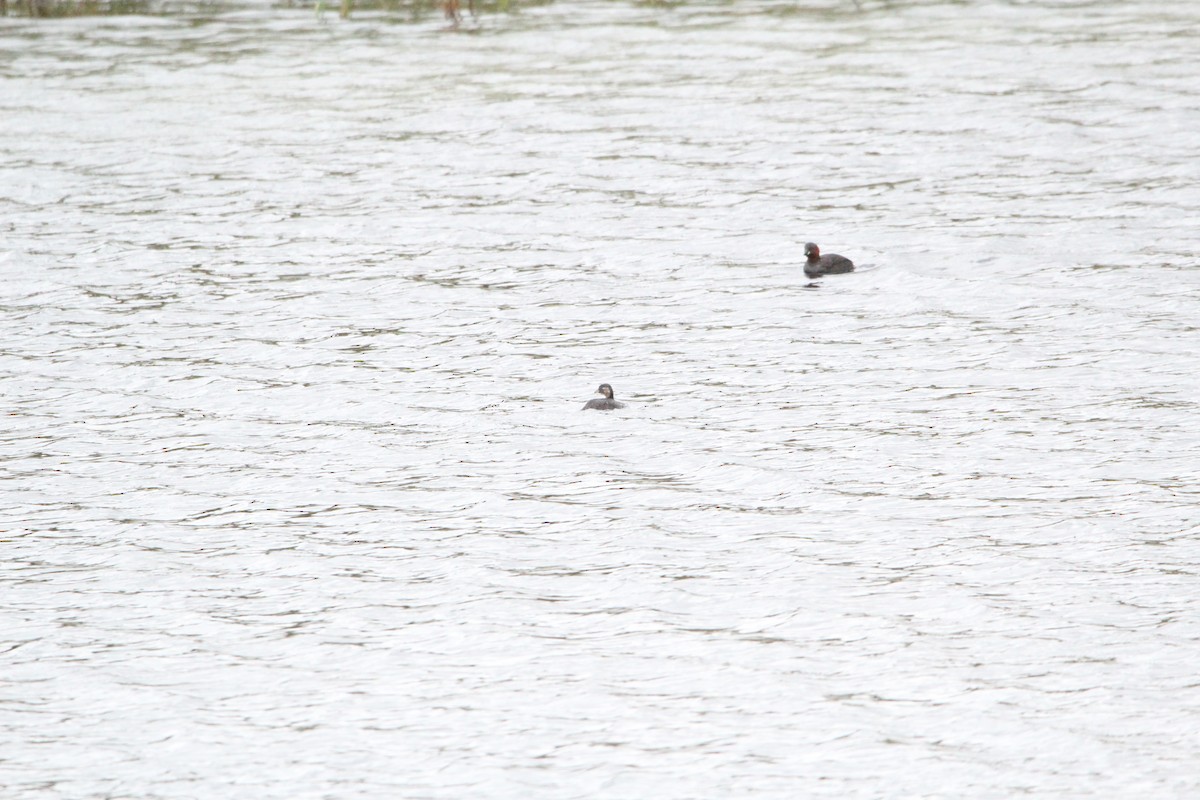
(298, 318)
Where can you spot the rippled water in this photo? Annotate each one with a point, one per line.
(299, 315)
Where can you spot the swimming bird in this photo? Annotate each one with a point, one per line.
(818, 265)
(605, 403)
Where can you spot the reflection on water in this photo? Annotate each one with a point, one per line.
(299, 317)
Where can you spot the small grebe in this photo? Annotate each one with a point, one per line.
(818, 265)
(605, 403)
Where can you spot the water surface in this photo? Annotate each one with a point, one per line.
(299, 315)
